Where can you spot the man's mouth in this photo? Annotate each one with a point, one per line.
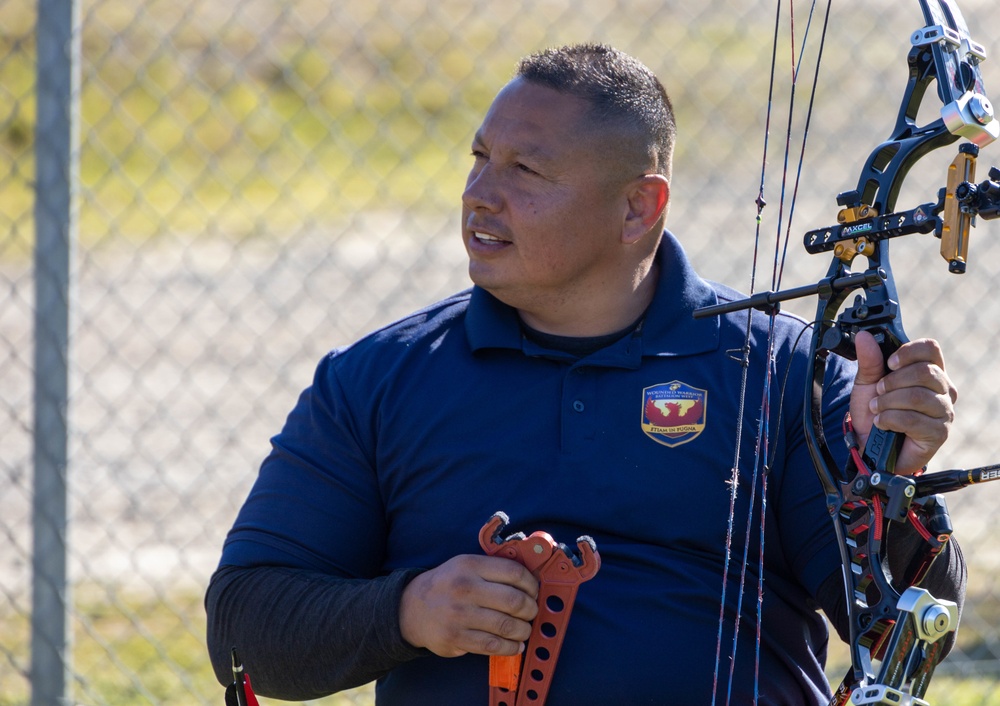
(487, 238)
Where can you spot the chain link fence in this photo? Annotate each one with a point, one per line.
(262, 180)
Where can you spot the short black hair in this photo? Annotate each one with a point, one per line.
(619, 88)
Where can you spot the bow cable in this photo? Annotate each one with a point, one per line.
(744, 361)
(762, 449)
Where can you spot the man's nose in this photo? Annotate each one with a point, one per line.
(482, 190)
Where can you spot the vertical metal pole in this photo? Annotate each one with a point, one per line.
(58, 42)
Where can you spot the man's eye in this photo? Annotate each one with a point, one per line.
(525, 168)
(478, 154)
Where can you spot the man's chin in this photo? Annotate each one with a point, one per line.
(485, 276)
(490, 281)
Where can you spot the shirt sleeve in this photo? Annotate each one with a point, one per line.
(316, 503)
(301, 590)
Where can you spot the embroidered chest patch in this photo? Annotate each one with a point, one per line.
(673, 413)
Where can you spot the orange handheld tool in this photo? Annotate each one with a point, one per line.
(559, 572)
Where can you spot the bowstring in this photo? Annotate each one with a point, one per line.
(805, 135)
(762, 446)
(744, 360)
(780, 255)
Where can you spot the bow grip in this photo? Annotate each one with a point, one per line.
(883, 446)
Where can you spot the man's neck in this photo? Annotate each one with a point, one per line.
(610, 314)
(578, 346)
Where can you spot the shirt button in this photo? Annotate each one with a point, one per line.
(578, 406)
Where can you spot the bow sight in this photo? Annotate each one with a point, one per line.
(982, 199)
(900, 630)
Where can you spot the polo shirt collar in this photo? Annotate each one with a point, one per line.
(668, 328)
(489, 323)
(671, 329)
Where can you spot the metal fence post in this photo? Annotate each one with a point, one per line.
(58, 42)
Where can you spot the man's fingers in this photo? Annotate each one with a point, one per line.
(917, 376)
(493, 632)
(920, 428)
(470, 603)
(925, 416)
(480, 631)
(487, 643)
(926, 401)
(508, 600)
(910, 393)
(923, 350)
(505, 572)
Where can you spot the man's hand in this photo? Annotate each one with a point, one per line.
(478, 604)
(915, 398)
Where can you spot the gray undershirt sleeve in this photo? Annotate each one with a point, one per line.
(303, 635)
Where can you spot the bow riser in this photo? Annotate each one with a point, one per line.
(865, 505)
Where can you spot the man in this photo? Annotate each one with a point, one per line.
(356, 555)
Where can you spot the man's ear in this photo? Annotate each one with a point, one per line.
(648, 197)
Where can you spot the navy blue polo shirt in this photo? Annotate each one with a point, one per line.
(410, 439)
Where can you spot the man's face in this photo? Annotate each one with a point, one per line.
(543, 206)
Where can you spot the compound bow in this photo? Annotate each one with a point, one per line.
(900, 631)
